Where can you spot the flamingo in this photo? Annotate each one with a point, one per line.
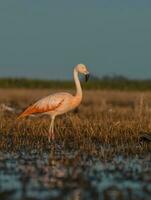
(58, 103)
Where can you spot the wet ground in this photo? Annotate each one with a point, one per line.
(69, 175)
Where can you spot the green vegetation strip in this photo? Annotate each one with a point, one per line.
(104, 83)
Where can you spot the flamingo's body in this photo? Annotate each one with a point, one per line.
(58, 103)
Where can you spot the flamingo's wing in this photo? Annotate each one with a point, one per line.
(44, 105)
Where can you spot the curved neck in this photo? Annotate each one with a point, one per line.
(77, 83)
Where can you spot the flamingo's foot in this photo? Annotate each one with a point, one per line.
(51, 137)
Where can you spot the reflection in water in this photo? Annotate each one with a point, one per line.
(70, 175)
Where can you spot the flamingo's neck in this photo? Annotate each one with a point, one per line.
(77, 83)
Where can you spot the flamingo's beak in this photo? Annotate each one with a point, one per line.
(87, 77)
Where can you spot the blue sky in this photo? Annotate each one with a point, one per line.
(46, 38)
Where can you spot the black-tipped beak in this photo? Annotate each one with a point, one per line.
(87, 77)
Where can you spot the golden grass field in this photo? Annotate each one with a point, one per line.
(107, 123)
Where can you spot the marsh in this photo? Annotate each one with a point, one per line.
(97, 153)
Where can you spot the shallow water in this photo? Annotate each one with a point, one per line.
(72, 175)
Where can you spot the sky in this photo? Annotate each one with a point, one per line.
(46, 38)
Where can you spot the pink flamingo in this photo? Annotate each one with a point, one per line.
(59, 103)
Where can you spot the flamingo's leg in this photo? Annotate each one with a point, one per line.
(51, 135)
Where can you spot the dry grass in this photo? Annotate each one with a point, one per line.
(107, 123)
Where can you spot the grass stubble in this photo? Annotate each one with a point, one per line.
(106, 124)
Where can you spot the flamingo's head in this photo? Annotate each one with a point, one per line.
(81, 68)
